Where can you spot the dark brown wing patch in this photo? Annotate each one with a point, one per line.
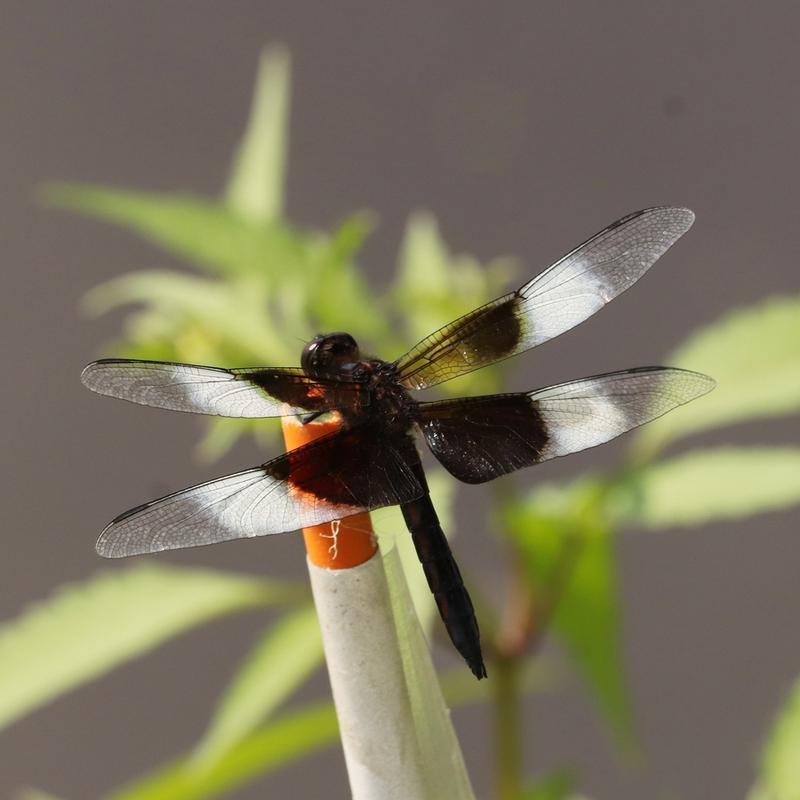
(364, 467)
(564, 295)
(478, 439)
(487, 334)
(481, 438)
(298, 390)
(334, 477)
(252, 393)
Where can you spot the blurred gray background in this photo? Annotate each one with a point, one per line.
(525, 127)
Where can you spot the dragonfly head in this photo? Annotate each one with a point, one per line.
(327, 353)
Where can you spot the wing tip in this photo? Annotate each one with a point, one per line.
(685, 216)
(682, 217)
(702, 383)
(681, 211)
(88, 373)
(92, 373)
(108, 544)
(679, 218)
(105, 547)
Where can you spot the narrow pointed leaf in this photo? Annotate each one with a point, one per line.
(588, 619)
(294, 735)
(704, 486)
(423, 257)
(281, 661)
(780, 759)
(86, 630)
(557, 786)
(754, 355)
(206, 233)
(340, 298)
(569, 555)
(256, 186)
(234, 314)
(391, 530)
(221, 433)
(434, 287)
(271, 747)
(443, 769)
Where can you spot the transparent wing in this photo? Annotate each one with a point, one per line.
(478, 439)
(567, 293)
(334, 477)
(256, 392)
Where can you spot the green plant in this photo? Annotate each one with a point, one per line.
(257, 285)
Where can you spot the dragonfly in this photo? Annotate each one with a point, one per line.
(372, 460)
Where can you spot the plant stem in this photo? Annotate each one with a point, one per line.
(507, 724)
(509, 646)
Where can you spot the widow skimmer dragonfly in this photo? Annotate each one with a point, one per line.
(372, 461)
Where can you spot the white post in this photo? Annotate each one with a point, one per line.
(369, 688)
(396, 731)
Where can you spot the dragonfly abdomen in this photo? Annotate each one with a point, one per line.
(444, 580)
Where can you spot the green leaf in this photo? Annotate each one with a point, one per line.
(339, 298)
(433, 287)
(280, 662)
(256, 185)
(86, 630)
(271, 747)
(206, 319)
(754, 355)
(780, 759)
(294, 735)
(442, 763)
(557, 786)
(424, 259)
(208, 234)
(716, 484)
(221, 433)
(391, 530)
(568, 553)
(588, 619)
(197, 320)
(461, 689)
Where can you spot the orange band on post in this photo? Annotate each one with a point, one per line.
(342, 543)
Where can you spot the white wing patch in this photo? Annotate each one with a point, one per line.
(593, 274)
(182, 387)
(243, 505)
(562, 296)
(589, 412)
